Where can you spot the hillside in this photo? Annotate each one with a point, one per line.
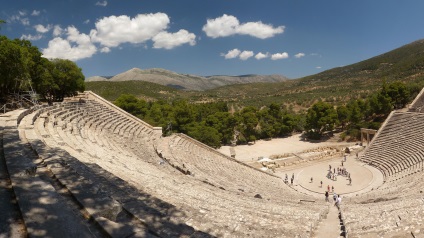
(186, 81)
(340, 84)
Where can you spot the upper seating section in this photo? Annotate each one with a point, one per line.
(399, 145)
(418, 104)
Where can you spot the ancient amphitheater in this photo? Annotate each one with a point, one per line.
(85, 168)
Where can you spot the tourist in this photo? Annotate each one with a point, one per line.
(328, 188)
(350, 181)
(338, 202)
(332, 189)
(334, 197)
(312, 179)
(291, 181)
(321, 183)
(326, 196)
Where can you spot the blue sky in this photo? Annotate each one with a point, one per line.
(294, 38)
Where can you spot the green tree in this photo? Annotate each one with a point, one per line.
(14, 66)
(399, 94)
(132, 105)
(320, 117)
(205, 134)
(223, 122)
(63, 79)
(247, 121)
(183, 115)
(343, 116)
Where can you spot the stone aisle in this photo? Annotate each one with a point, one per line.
(329, 227)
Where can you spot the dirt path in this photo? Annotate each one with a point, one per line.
(266, 148)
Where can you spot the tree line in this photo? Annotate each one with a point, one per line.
(214, 125)
(23, 68)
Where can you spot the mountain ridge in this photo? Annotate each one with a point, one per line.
(187, 81)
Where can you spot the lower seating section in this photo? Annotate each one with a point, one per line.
(110, 163)
(385, 218)
(127, 180)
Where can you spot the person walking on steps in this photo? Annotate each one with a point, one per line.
(326, 196)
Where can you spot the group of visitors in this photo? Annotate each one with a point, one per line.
(286, 180)
(337, 199)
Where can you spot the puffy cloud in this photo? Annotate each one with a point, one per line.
(57, 30)
(228, 25)
(102, 4)
(299, 55)
(259, 30)
(114, 30)
(31, 37)
(42, 29)
(170, 40)
(76, 46)
(221, 26)
(25, 21)
(279, 56)
(261, 55)
(246, 55)
(105, 50)
(86, 21)
(231, 54)
(35, 13)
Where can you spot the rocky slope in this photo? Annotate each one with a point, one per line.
(187, 81)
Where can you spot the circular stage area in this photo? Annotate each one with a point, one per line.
(361, 176)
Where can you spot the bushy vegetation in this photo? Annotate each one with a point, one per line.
(213, 124)
(22, 67)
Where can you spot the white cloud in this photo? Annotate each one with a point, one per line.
(170, 40)
(318, 67)
(279, 56)
(42, 29)
(231, 54)
(20, 17)
(31, 37)
(299, 55)
(75, 47)
(115, 30)
(102, 4)
(259, 30)
(57, 30)
(86, 21)
(221, 26)
(246, 55)
(35, 13)
(228, 25)
(25, 21)
(261, 55)
(105, 50)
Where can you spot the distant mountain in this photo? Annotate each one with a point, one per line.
(187, 81)
(337, 85)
